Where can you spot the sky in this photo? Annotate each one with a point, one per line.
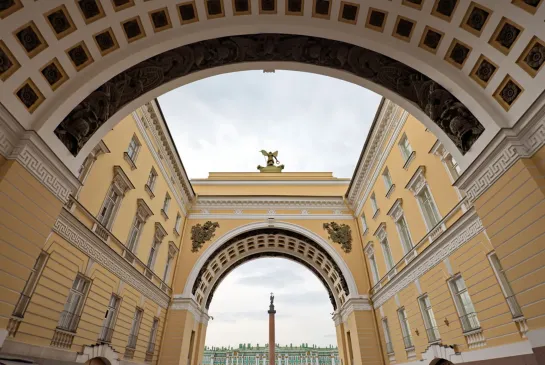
(241, 302)
(316, 123)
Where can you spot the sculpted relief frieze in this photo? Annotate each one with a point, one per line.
(441, 106)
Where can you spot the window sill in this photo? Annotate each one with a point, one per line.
(129, 160)
(409, 160)
(377, 212)
(164, 214)
(475, 338)
(149, 191)
(391, 190)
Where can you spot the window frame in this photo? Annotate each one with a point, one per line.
(113, 212)
(387, 179)
(178, 223)
(30, 286)
(423, 211)
(152, 179)
(405, 330)
(108, 324)
(503, 282)
(364, 223)
(460, 307)
(136, 149)
(135, 328)
(406, 246)
(405, 152)
(73, 322)
(138, 219)
(374, 204)
(374, 268)
(385, 245)
(430, 323)
(387, 336)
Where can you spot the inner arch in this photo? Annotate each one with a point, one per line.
(447, 112)
(270, 242)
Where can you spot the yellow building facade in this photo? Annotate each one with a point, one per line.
(417, 271)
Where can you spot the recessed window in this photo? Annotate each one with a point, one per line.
(374, 269)
(152, 178)
(135, 328)
(453, 167)
(404, 234)
(30, 286)
(178, 223)
(73, 307)
(166, 203)
(387, 179)
(134, 234)
(153, 252)
(152, 338)
(374, 204)
(464, 305)
(428, 207)
(405, 148)
(107, 331)
(405, 328)
(364, 223)
(132, 151)
(387, 337)
(508, 293)
(109, 207)
(388, 258)
(432, 330)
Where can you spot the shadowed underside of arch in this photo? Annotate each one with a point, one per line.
(270, 242)
(454, 118)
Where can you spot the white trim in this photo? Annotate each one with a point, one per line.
(72, 230)
(181, 202)
(463, 230)
(272, 182)
(267, 202)
(242, 216)
(180, 302)
(283, 225)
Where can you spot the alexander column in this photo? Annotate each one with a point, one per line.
(271, 332)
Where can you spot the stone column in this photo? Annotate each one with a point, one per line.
(271, 312)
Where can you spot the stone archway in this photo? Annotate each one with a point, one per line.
(187, 320)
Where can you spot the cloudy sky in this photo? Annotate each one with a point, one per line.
(317, 124)
(241, 303)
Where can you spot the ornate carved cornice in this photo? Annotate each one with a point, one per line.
(167, 148)
(463, 230)
(447, 112)
(121, 180)
(35, 156)
(72, 230)
(417, 181)
(269, 202)
(143, 210)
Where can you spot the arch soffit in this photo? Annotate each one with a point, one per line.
(304, 261)
(212, 249)
(58, 103)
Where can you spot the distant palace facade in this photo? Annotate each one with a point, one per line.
(247, 354)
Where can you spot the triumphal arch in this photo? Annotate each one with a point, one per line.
(457, 146)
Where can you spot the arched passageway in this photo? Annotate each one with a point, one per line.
(352, 312)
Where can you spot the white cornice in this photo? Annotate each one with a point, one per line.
(508, 147)
(180, 302)
(72, 230)
(463, 230)
(164, 141)
(35, 156)
(308, 216)
(269, 202)
(182, 203)
(271, 182)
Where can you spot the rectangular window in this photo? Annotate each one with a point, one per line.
(505, 286)
(105, 216)
(429, 319)
(364, 223)
(374, 204)
(134, 234)
(405, 328)
(191, 343)
(388, 258)
(153, 252)
(178, 222)
(30, 286)
(153, 336)
(404, 235)
(374, 269)
(170, 258)
(109, 319)
(152, 178)
(85, 168)
(429, 209)
(387, 179)
(135, 327)
(74, 304)
(405, 147)
(387, 337)
(134, 147)
(166, 203)
(350, 352)
(464, 305)
(453, 167)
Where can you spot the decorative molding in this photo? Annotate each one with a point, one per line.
(396, 211)
(72, 230)
(152, 113)
(189, 304)
(380, 232)
(353, 305)
(271, 202)
(121, 180)
(463, 230)
(341, 234)
(160, 231)
(200, 234)
(143, 210)
(271, 182)
(417, 181)
(104, 351)
(234, 215)
(507, 147)
(369, 249)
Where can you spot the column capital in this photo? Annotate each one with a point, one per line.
(190, 304)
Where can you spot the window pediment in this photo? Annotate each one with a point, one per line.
(143, 210)
(121, 180)
(160, 231)
(396, 211)
(417, 181)
(369, 249)
(380, 233)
